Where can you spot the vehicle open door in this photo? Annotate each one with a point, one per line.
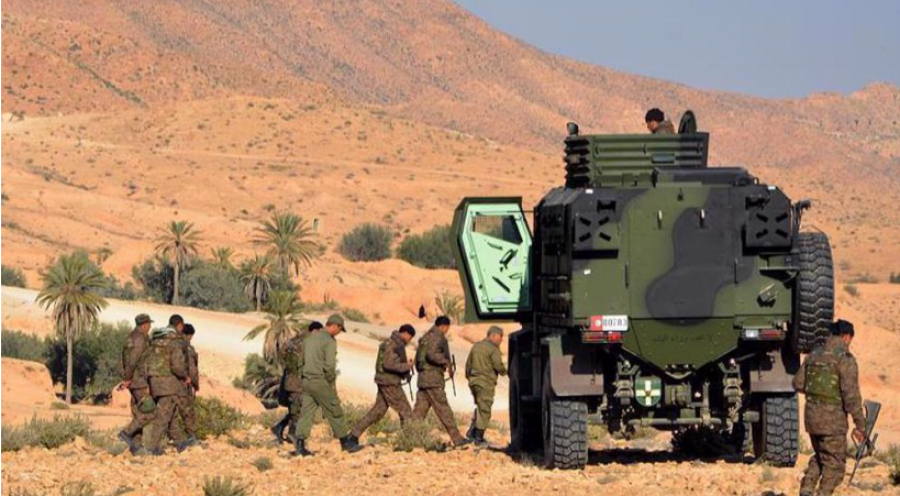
(492, 246)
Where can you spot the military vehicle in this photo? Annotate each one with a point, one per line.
(653, 291)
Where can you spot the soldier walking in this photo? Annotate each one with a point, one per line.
(483, 366)
(135, 381)
(319, 390)
(167, 369)
(291, 388)
(830, 380)
(432, 361)
(391, 369)
(183, 428)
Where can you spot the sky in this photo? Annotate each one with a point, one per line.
(775, 49)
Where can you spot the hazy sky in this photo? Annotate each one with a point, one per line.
(785, 48)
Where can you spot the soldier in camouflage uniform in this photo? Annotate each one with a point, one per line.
(291, 388)
(319, 389)
(391, 369)
(657, 122)
(432, 361)
(134, 380)
(183, 428)
(167, 369)
(482, 368)
(830, 380)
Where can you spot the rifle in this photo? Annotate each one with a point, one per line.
(412, 372)
(453, 372)
(867, 447)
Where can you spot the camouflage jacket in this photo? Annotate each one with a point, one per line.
(432, 359)
(320, 357)
(391, 366)
(166, 366)
(193, 367)
(292, 358)
(484, 364)
(829, 377)
(132, 353)
(665, 127)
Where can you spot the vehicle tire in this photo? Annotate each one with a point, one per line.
(776, 435)
(524, 420)
(565, 430)
(814, 295)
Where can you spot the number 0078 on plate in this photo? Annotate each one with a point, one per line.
(617, 323)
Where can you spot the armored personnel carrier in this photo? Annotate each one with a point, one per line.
(652, 291)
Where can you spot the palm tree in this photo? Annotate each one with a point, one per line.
(177, 244)
(70, 291)
(289, 239)
(283, 323)
(221, 256)
(256, 274)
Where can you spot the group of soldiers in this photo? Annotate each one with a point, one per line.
(308, 383)
(159, 369)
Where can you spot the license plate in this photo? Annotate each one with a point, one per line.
(617, 323)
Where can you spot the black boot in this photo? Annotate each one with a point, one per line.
(350, 443)
(129, 440)
(479, 438)
(187, 443)
(300, 448)
(471, 433)
(278, 429)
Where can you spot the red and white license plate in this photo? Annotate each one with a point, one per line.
(615, 323)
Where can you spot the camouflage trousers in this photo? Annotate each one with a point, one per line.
(436, 398)
(319, 393)
(388, 396)
(826, 466)
(184, 422)
(139, 419)
(166, 406)
(484, 401)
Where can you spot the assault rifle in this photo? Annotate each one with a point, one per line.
(867, 447)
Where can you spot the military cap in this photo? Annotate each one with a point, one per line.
(336, 319)
(495, 330)
(142, 319)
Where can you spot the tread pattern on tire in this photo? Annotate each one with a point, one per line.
(815, 300)
(568, 429)
(782, 430)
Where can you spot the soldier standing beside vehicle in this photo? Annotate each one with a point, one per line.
(483, 366)
(432, 361)
(319, 388)
(186, 415)
(134, 380)
(291, 388)
(830, 380)
(391, 369)
(657, 122)
(167, 369)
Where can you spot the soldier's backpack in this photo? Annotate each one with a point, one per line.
(822, 379)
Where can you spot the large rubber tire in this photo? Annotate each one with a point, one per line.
(776, 435)
(565, 430)
(524, 422)
(814, 298)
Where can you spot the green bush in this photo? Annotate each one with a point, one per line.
(430, 250)
(890, 457)
(97, 358)
(215, 418)
(155, 276)
(115, 289)
(852, 290)
(416, 434)
(12, 276)
(214, 287)
(260, 378)
(263, 463)
(387, 425)
(17, 344)
(49, 434)
(224, 486)
(366, 243)
(355, 315)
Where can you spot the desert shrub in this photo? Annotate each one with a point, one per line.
(48, 434)
(262, 378)
(213, 287)
(416, 434)
(12, 276)
(894, 278)
(851, 290)
(263, 463)
(98, 355)
(430, 250)
(17, 344)
(890, 457)
(865, 278)
(215, 418)
(366, 243)
(354, 314)
(224, 486)
(387, 425)
(451, 305)
(115, 289)
(155, 276)
(80, 488)
(107, 441)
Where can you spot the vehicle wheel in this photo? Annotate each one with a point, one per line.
(565, 430)
(524, 420)
(814, 301)
(775, 436)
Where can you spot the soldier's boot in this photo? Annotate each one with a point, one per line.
(300, 448)
(350, 444)
(278, 429)
(129, 440)
(459, 443)
(479, 438)
(470, 434)
(187, 443)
